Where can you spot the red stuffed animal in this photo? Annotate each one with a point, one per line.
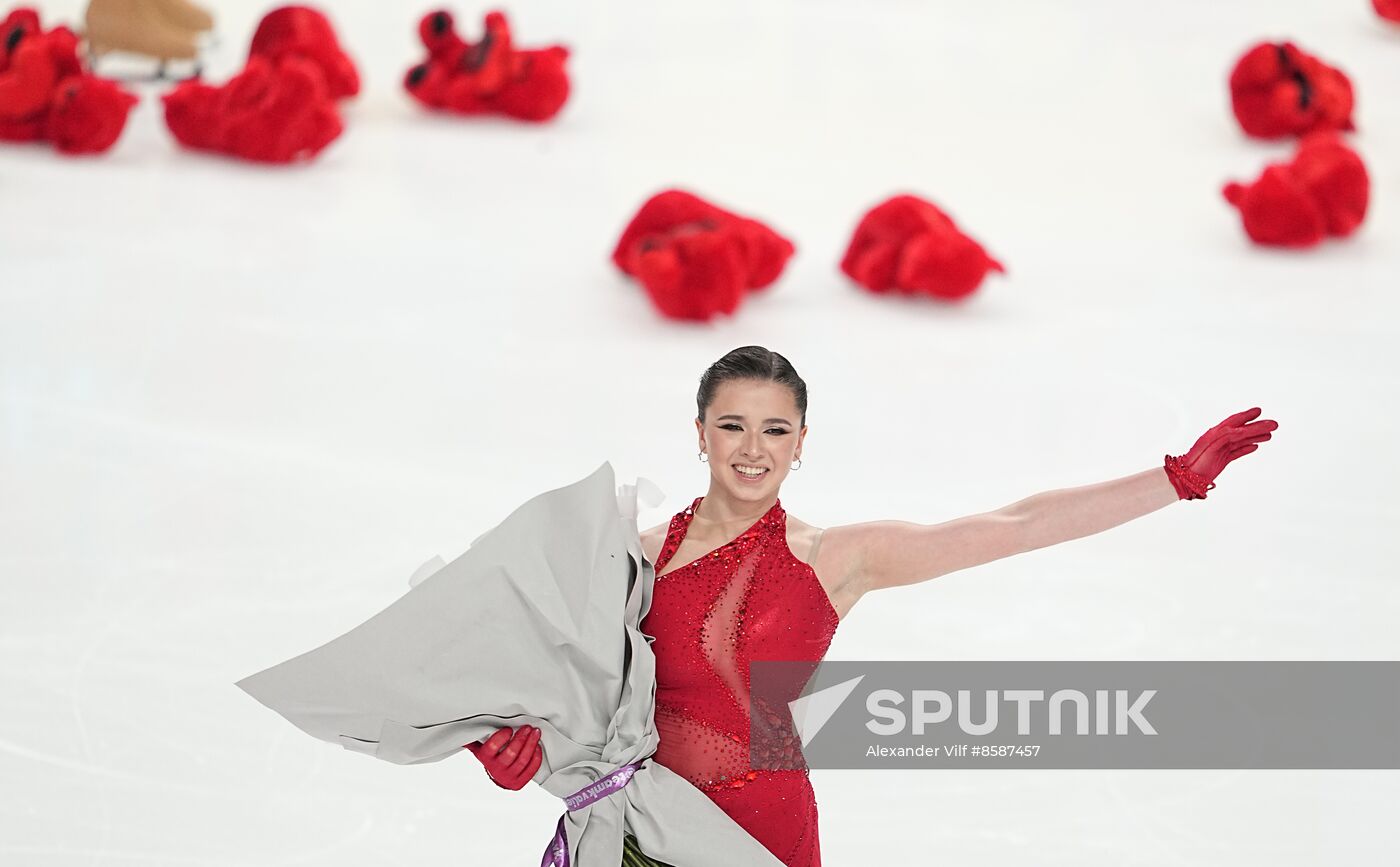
(45, 94)
(1277, 90)
(273, 111)
(1322, 191)
(1388, 9)
(907, 244)
(281, 107)
(303, 31)
(87, 114)
(695, 259)
(487, 77)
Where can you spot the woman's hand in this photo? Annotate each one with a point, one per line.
(510, 757)
(1193, 473)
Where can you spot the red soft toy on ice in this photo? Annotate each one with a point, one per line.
(1322, 191)
(696, 259)
(45, 94)
(305, 32)
(87, 114)
(281, 108)
(273, 111)
(1278, 90)
(906, 244)
(1387, 9)
(487, 77)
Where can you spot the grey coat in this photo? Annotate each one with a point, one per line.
(536, 623)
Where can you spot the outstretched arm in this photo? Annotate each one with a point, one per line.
(883, 554)
(1051, 517)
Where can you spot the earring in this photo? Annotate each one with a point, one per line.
(798, 467)
(702, 457)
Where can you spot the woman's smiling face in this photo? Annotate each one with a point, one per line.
(751, 424)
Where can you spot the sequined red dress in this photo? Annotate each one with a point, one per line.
(750, 599)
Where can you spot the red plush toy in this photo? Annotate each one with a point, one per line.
(1322, 191)
(1387, 9)
(45, 94)
(305, 32)
(907, 244)
(1278, 90)
(87, 114)
(696, 259)
(487, 77)
(273, 111)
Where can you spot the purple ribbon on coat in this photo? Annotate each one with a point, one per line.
(557, 853)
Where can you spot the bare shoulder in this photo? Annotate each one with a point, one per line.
(802, 538)
(836, 564)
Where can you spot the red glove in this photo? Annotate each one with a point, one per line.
(510, 759)
(1193, 473)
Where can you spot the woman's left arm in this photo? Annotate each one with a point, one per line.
(1051, 517)
(881, 554)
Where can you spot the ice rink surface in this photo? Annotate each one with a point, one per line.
(239, 405)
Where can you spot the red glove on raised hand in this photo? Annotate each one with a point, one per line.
(510, 759)
(1193, 473)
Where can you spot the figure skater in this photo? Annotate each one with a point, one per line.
(737, 580)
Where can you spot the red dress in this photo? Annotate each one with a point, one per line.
(749, 599)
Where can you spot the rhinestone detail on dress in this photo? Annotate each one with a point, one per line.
(749, 599)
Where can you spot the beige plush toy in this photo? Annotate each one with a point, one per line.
(162, 29)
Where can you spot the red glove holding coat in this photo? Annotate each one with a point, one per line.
(510, 758)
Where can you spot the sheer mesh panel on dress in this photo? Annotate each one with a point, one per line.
(711, 741)
(748, 599)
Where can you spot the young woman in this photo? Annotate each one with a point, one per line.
(738, 579)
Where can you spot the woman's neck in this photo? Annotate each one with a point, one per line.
(720, 511)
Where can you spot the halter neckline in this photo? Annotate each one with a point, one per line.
(768, 517)
(680, 526)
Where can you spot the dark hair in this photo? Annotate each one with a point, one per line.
(756, 363)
